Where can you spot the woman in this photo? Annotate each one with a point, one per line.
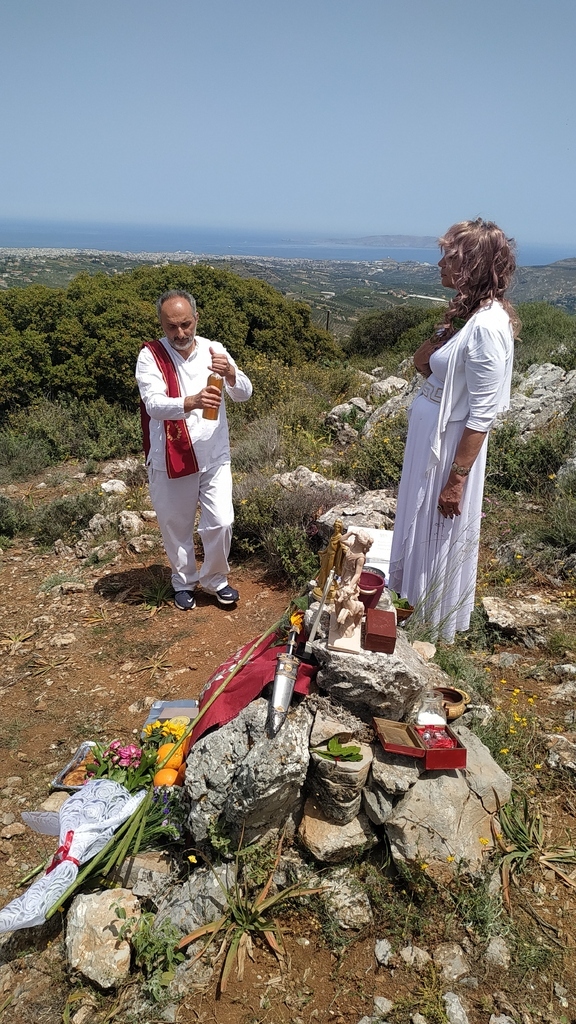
(468, 366)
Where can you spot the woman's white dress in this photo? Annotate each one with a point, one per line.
(434, 560)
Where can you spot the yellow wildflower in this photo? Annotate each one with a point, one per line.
(423, 866)
(193, 859)
(450, 858)
(504, 750)
(483, 841)
(537, 767)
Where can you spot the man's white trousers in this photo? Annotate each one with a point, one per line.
(175, 503)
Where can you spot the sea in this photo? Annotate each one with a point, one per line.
(132, 238)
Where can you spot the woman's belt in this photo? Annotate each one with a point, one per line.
(431, 392)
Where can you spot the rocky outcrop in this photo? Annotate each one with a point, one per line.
(240, 778)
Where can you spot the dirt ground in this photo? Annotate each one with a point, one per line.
(89, 663)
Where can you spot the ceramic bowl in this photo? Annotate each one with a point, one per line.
(454, 701)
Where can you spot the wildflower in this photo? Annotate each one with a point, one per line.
(551, 476)
(450, 858)
(423, 866)
(503, 682)
(518, 556)
(537, 767)
(512, 729)
(530, 700)
(193, 859)
(516, 690)
(504, 750)
(483, 841)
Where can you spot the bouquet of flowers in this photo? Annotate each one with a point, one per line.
(133, 767)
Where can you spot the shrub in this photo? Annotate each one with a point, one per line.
(50, 432)
(65, 517)
(383, 328)
(547, 334)
(14, 516)
(528, 465)
(376, 461)
(278, 525)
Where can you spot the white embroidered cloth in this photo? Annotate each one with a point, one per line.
(84, 824)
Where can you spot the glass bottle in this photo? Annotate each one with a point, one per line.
(214, 381)
(431, 709)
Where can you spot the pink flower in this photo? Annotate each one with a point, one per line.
(130, 756)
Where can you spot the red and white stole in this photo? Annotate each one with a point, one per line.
(180, 457)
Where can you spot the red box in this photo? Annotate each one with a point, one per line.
(402, 738)
(379, 631)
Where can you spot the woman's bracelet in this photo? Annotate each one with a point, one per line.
(460, 470)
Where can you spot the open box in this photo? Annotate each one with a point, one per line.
(402, 738)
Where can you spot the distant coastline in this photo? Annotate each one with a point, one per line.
(111, 238)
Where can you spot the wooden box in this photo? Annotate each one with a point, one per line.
(379, 631)
(402, 738)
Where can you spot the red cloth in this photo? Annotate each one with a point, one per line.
(180, 456)
(246, 685)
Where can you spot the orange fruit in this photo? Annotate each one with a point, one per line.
(165, 777)
(175, 760)
(181, 774)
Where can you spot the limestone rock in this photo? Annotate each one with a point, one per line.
(373, 509)
(393, 772)
(383, 952)
(545, 393)
(414, 956)
(346, 903)
(454, 1009)
(63, 640)
(486, 779)
(93, 946)
(337, 785)
(561, 752)
(72, 587)
(147, 874)
(383, 1006)
(440, 818)
(111, 547)
(498, 953)
(114, 487)
(377, 805)
(145, 542)
(199, 900)
(424, 649)
(62, 549)
(332, 843)
(372, 684)
(524, 618)
(240, 776)
(130, 523)
(387, 387)
(302, 477)
(116, 466)
(449, 956)
(398, 403)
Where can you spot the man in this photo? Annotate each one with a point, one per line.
(187, 455)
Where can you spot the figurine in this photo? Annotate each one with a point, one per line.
(349, 609)
(330, 558)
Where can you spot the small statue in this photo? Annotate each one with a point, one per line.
(329, 558)
(349, 610)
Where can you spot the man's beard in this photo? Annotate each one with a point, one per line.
(182, 346)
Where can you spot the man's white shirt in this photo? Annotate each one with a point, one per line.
(209, 437)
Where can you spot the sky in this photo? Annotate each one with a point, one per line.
(335, 117)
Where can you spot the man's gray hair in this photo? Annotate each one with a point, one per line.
(175, 293)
